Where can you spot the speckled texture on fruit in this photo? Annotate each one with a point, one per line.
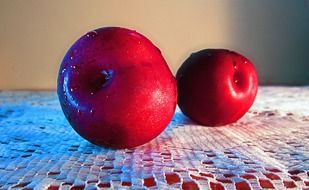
(116, 89)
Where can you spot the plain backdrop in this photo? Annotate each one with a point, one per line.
(35, 34)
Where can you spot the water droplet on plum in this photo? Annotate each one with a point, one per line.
(234, 65)
(92, 33)
(73, 54)
(92, 111)
(74, 66)
(79, 112)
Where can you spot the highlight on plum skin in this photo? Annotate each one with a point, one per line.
(116, 89)
(216, 86)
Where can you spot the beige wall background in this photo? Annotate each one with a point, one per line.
(35, 34)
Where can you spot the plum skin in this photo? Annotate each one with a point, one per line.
(216, 86)
(116, 89)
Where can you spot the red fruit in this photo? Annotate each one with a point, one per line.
(116, 89)
(216, 86)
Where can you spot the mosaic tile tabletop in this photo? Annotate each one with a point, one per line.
(267, 149)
